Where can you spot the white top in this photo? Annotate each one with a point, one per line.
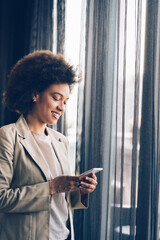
(59, 208)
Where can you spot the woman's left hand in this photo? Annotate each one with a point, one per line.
(88, 183)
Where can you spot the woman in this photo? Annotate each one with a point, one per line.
(35, 178)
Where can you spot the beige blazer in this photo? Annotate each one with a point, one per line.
(24, 189)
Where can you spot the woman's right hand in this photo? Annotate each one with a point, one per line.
(63, 184)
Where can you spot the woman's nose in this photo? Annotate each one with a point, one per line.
(61, 107)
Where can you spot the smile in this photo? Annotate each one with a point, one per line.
(55, 115)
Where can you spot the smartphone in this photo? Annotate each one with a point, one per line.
(93, 170)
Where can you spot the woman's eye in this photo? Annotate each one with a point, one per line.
(55, 98)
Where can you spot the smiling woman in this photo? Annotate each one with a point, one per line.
(49, 106)
(35, 73)
(37, 190)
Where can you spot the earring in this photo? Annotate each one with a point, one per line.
(34, 100)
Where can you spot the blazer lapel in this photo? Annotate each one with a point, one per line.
(61, 152)
(28, 142)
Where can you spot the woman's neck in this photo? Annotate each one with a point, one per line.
(35, 126)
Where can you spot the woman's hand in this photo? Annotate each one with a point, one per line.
(88, 183)
(63, 184)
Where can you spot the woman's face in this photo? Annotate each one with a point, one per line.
(50, 104)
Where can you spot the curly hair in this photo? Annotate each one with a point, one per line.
(33, 74)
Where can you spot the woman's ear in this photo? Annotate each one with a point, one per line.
(35, 97)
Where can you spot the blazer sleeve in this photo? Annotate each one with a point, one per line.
(30, 198)
(75, 199)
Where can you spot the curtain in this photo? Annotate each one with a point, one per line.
(41, 27)
(59, 24)
(25, 26)
(111, 129)
(101, 25)
(148, 187)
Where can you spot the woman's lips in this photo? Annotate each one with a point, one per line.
(55, 115)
